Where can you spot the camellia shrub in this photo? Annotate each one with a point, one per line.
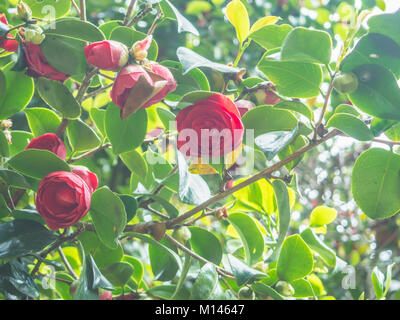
(131, 173)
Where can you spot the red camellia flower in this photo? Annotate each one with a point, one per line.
(8, 45)
(209, 128)
(38, 65)
(148, 85)
(244, 106)
(88, 176)
(63, 198)
(49, 141)
(107, 55)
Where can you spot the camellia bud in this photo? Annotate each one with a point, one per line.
(34, 34)
(246, 293)
(5, 124)
(107, 55)
(182, 234)
(345, 82)
(105, 295)
(140, 48)
(24, 12)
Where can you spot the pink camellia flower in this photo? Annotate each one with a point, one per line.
(38, 65)
(8, 45)
(139, 87)
(244, 106)
(50, 142)
(211, 127)
(63, 198)
(107, 55)
(88, 176)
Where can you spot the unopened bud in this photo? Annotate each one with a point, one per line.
(182, 234)
(140, 48)
(222, 213)
(24, 12)
(5, 124)
(8, 136)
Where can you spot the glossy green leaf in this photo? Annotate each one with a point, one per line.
(98, 117)
(20, 140)
(375, 184)
(243, 273)
(138, 269)
(272, 36)
(351, 126)
(238, 16)
(273, 142)
(184, 25)
(206, 244)
(82, 137)
(295, 259)
(118, 273)
(167, 118)
(108, 214)
(322, 215)
(297, 144)
(16, 90)
(125, 135)
(77, 29)
(302, 288)
(374, 48)
(192, 188)
(250, 234)
(131, 206)
(346, 108)
(45, 8)
(326, 253)
(21, 237)
(57, 96)
(267, 291)
(136, 163)
(42, 120)
(387, 24)
(37, 163)
(297, 107)
(205, 284)
(378, 93)
(293, 79)
(306, 45)
(13, 179)
(4, 145)
(190, 60)
(378, 278)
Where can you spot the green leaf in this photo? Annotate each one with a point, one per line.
(374, 49)
(184, 24)
(108, 214)
(238, 16)
(273, 142)
(15, 274)
(192, 188)
(295, 260)
(272, 36)
(302, 288)
(388, 278)
(14, 179)
(379, 126)
(81, 136)
(37, 163)
(57, 96)
(378, 278)
(297, 144)
(190, 60)
(118, 273)
(165, 254)
(42, 120)
(206, 244)
(205, 284)
(98, 116)
(265, 119)
(326, 253)
(41, 9)
(16, 90)
(378, 93)
(64, 54)
(386, 24)
(346, 108)
(306, 45)
(350, 125)
(131, 205)
(138, 269)
(75, 28)
(21, 237)
(293, 79)
(125, 135)
(250, 234)
(243, 273)
(27, 214)
(90, 281)
(375, 184)
(282, 199)
(266, 291)
(297, 107)
(135, 163)
(167, 118)
(321, 216)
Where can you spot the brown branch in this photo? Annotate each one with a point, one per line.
(82, 9)
(129, 12)
(140, 15)
(154, 25)
(97, 92)
(78, 10)
(90, 153)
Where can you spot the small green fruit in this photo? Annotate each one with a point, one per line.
(182, 234)
(246, 293)
(345, 82)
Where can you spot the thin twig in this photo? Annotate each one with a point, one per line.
(82, 9)
(97, 92)
(154, 25)
(221, 271)
(66, 263)
(140, 15)
(90, 153)
(106, 76)
(129, 12)
(157, 212)
(61, 128)
(388, 142)
(76, 7)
